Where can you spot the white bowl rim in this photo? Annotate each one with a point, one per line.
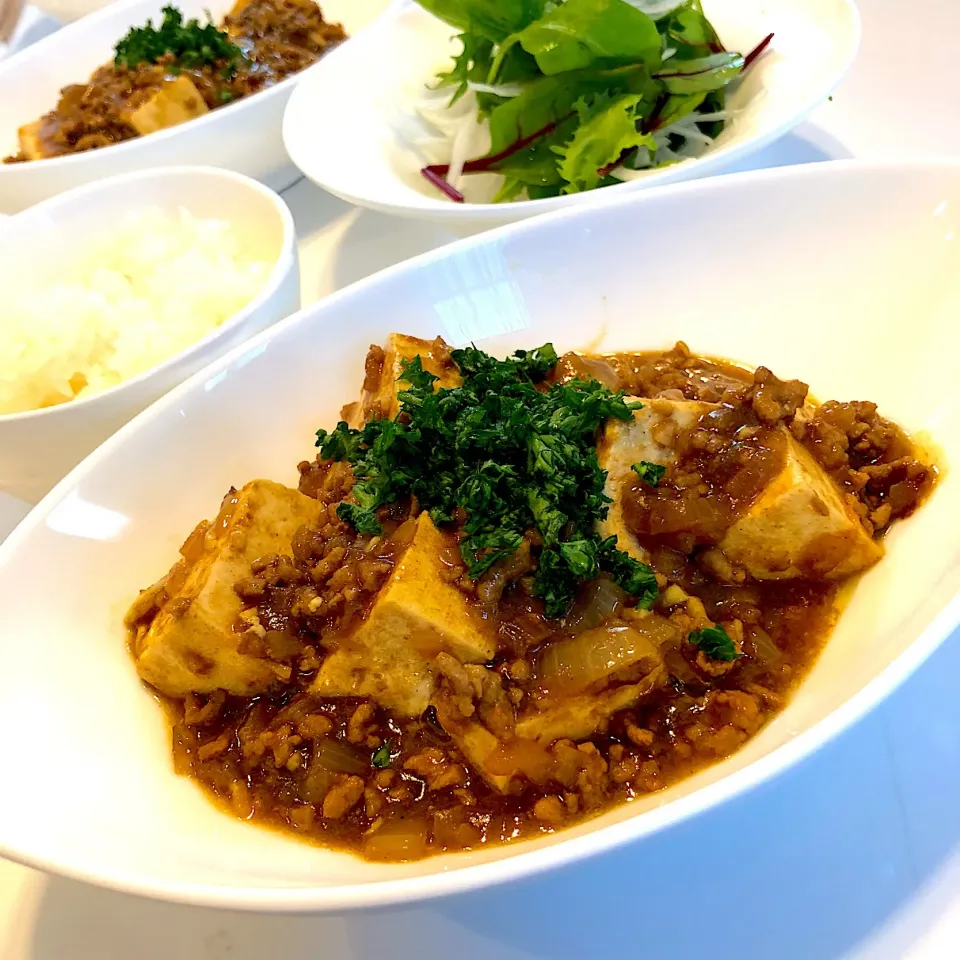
(270, 286)
(440, 210)
(90, 22)
(523, 863)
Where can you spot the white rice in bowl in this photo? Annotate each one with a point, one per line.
(150, 287)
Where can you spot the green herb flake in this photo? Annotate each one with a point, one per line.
(381, 758)
(508, 452)
(716, 643)
(363, 521)
(650, 473)
(191, 44)
(608, 128)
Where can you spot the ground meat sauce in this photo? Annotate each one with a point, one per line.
(344, 772)
(278, 38)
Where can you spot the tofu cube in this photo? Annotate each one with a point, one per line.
(31, 141)
(478, 744)
(379, 397)
(417, 615)
(649, 436)
(190, 645)
(393, 675)
(177, 101)
(800, 526)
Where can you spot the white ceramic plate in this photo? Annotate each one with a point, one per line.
(369, 160)
(39, 446)
(843, 274)
(244, 136)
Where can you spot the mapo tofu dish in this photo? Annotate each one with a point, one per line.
(511, 594)
(166, 75)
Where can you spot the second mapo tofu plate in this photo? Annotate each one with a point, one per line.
(144, 83)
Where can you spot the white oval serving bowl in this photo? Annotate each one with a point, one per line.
(371, 163)
(244, 136)
(843, 274)
(39, 446)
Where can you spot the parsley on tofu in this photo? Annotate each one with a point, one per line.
(514, 456)
(650, 473)
(191, 44)
(716, 643)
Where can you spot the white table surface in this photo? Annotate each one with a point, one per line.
(853, 854)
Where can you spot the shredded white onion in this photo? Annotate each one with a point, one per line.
(466, 143)
(690, 131)
(505, 90)
(716, 115)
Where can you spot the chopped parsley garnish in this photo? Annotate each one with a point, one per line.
(381, 756)
(716, 643)
(649, 473)
(191, 44)
(508, 453)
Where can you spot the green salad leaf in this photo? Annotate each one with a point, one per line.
(495, 20)
(702, 75)
(688, 31)
(551, 99)
(473, 63)
(506, 453)
(535, 166)
(554, 78)
(608, 127)
(585, 33)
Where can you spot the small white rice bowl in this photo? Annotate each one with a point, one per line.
(144, 290)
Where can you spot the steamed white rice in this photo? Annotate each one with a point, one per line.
(138, 294)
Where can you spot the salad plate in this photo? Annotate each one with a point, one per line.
(399, 130)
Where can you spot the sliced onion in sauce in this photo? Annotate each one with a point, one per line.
(767, 652)
(600, 601)
(402, 536)
(316, 784)
(340, 757)
(573, 664)
(517, 755)
(677, 666)
(401, 838)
